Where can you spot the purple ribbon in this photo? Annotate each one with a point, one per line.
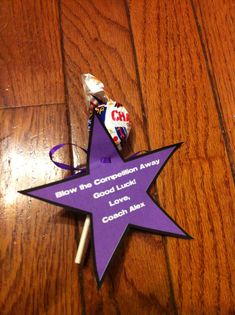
(63, 165)
(105, 159)
(78, 168)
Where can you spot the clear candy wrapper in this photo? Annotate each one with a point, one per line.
(114, 115)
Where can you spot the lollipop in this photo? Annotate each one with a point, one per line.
(114, 115)
(116, 120)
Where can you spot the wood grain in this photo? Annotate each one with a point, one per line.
(197, 187)
(37, 270)
(30, 58)
(96, 39)
(216, 23)
(171, 64)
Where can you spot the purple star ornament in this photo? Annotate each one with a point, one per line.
(114, 193)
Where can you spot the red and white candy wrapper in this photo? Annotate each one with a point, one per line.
(114, 115)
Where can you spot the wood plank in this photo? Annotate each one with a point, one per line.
(216, 24)
(197, 187)
(37, 270)
(30, 56)
(96, 39)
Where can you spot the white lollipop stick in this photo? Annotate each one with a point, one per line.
(83, 239)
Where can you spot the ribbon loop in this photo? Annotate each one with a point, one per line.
(68, 167)
(63, 165)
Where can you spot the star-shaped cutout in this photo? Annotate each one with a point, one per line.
(115, 192)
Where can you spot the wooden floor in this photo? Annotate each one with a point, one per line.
(172, 64)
